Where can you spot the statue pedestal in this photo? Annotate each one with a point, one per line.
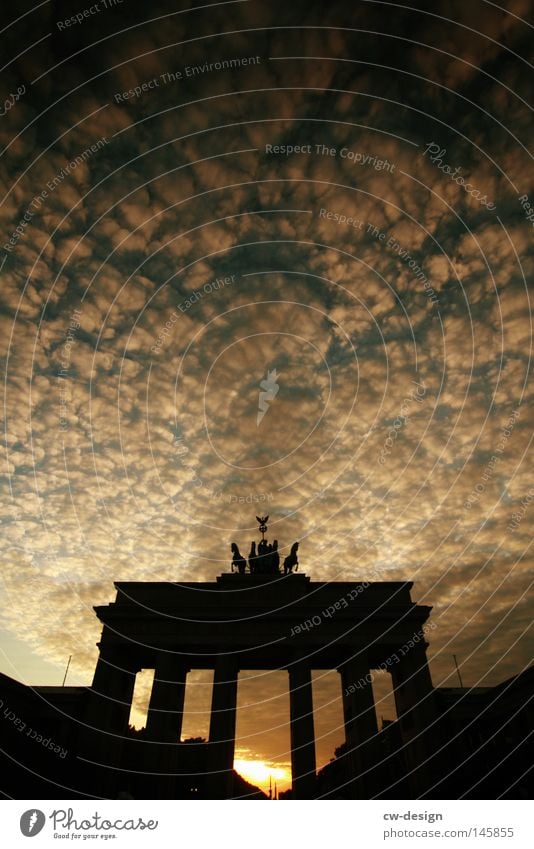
(234, 579)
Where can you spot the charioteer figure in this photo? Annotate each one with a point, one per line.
(252, 558)
(265, 559)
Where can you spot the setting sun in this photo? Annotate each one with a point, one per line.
(260, 774)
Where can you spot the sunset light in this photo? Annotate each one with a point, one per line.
(263, 774)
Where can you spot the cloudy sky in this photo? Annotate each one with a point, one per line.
(195, 196)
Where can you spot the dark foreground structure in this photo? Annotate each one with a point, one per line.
(69, 742)
(260, 622)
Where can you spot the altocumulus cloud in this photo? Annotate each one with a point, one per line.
(184, 192)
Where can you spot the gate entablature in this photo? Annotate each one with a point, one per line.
(262, 622)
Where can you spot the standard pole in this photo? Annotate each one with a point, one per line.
(66, 670)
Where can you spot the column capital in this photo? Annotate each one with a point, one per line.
(299, 658)
(164, 659)
(359, 658)
(224, 659)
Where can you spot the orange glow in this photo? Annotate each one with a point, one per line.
(259, 773)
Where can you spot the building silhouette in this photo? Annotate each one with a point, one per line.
(70, 742)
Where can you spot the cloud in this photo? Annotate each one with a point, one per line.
(134, 238)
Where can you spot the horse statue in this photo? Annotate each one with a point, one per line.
(291, 560)
(238, 560)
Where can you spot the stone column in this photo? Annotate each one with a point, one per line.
(361, 728)
(166, 708)
(414, 700)
(221, 746)
(110, 696)
(164, 724)
(103, 732)
(303, 764)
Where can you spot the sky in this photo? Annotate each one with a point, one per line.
(330, 204)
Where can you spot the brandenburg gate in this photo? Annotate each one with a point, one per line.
(262, 619)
